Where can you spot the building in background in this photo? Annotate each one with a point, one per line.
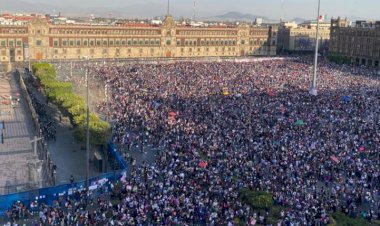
(258, 21)
(360, 43)
(15, 20)
(294, 37)
(50, 41)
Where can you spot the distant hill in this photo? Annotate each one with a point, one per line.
(299, 20)
(143, 9)
(236, 16)
(355, 18)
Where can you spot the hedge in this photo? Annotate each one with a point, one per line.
(339, 59)
(341, 219)
(61, 94)
(258, 200)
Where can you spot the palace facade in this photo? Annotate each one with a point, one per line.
(41, 40)
(359, 43)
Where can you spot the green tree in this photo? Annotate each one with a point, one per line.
(258, 200)
(61, 93)
(342, 219)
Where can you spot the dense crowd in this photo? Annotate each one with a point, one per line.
(227, 126)
(257, 127)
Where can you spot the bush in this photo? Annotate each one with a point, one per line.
(275, 214)
(61, 93)
(339, 59)
(77, 109)
(342, 219)
(99, 131)
(54, 86)
(238, 222)
(258, 200)
(45, 72)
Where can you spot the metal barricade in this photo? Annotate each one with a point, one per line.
(50, 194)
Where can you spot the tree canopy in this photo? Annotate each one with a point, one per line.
(62, 94)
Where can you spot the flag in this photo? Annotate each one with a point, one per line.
(335, 159)
(322, 18)
(299, 123)
(202, 164)
(271, 93)
(225, 91)
(172, 117)
(172, 114)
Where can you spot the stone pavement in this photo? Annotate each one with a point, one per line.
(17, 129)
(68, 156)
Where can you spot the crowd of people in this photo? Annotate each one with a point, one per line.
(257, 127)
(46, 121)
(227, 126)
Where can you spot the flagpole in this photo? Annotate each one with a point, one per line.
(313, 90)
(168, 12)
(87, 136)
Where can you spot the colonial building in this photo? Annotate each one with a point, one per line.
(294, 37)
(41, 40)
(360, 43)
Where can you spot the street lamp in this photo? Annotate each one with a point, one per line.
(313, 90)
(87, 132)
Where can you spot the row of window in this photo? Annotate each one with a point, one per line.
(130, 42)
(106, 32)
(206, 32)
(208, 49)
(212, 42)
(10, 43)
(145, 42)
(219, 33)
(262, 33)
(13, 31)
(105, 42)
(4, 52)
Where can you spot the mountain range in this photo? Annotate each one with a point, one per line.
(236, 16)
(142, 10)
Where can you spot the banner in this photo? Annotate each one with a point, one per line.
(26, 51)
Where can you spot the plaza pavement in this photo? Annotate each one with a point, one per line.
(17, 128)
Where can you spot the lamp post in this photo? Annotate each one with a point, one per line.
(87, 133)
(29, 67)
(106, 99)
(71, 69)
(313, 90)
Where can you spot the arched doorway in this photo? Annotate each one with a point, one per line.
(168, 54)
(38, 56)
(12, 55)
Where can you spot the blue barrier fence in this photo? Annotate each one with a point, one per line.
(114, 152)
(50, 194)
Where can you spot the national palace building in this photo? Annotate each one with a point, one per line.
(42, 40)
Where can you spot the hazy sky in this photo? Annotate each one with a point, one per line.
(271, 8)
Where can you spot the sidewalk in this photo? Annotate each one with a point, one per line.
(16, 152)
